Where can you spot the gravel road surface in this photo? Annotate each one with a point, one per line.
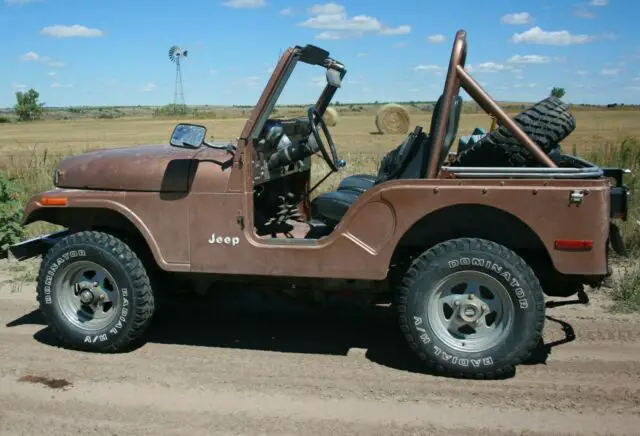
(304, 372)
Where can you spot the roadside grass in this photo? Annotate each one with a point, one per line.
(625, 154)
(33, 173)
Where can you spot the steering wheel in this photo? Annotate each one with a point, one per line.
(334, 163)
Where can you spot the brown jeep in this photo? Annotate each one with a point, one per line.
(465, 245)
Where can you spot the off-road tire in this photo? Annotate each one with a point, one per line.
(500, 263)
(136, 306)
(547, 123)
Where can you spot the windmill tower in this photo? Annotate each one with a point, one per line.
(175, 54)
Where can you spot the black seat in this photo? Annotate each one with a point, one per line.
(361, 182)
(408, 161)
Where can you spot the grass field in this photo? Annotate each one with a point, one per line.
(30, 151)
(355, 131)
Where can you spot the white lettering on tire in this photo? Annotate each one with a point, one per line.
(440, 353)
(501, 270)
(48, 279)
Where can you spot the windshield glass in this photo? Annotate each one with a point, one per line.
(301, 91)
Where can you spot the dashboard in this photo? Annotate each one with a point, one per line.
(284, 147)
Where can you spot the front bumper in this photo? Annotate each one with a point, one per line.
(35, 246)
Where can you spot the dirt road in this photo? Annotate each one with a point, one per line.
(276, 372)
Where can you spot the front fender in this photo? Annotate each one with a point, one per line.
(59, 206)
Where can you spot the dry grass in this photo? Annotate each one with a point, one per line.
(356, 132)
(31, 151)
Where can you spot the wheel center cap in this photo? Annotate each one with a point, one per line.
(86, 296)
(469, 313)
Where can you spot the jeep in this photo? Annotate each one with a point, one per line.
(464, 245)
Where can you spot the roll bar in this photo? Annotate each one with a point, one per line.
(458, 77)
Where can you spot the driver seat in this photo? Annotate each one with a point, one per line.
(410, 160)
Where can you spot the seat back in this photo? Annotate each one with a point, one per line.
(400, 163)
(452, 129)
(410, 160)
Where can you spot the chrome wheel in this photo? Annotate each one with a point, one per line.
(88, 295)
(470, 311)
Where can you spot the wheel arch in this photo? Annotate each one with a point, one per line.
(476, 221)
(115, 222)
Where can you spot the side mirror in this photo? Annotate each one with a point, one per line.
(188, 135)
(333, 78)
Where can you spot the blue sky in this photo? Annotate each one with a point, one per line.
(114, 52)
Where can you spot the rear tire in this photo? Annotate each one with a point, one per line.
(547, 123)
(484, 336)
(95, 293)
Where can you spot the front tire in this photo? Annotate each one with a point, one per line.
(471, 308)
(95, 293)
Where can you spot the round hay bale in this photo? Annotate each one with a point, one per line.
(331, 117)
(393, 118)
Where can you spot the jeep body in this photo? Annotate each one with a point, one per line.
(244, 210)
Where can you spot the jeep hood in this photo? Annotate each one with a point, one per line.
(159, 168)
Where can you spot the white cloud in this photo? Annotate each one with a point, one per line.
(73, 31)
(633, 88)
(517, 18)
(599, 2)
(436, 39)
(19, 87)
(286, 11)
(427, 68)
(332, 18)
(536, 35)
(636, 79)
(30, 56)
(52, 74)
(60, 85)
(335, 35)
(528, 59)
(212, 71)
(244, 4)
(251, 81)
(487, 67)
(318, 81)
(581, 73)
(148, 87)
(328, 9)
(19, 2)
(342, 22)
(35, 57)
(610, 71)
(400, 30)
(362, 55)
(400, 44)
(583, 13)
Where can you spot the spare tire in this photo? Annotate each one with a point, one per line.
(547, 123)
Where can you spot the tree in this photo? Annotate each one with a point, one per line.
(558, 92)
(28, 107)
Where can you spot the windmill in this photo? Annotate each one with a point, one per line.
(175, 54)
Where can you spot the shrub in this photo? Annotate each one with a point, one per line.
(626, 290)
(11, 230)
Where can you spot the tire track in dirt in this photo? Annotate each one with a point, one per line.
(273, 374)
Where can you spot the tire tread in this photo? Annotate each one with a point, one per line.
(144, 299)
